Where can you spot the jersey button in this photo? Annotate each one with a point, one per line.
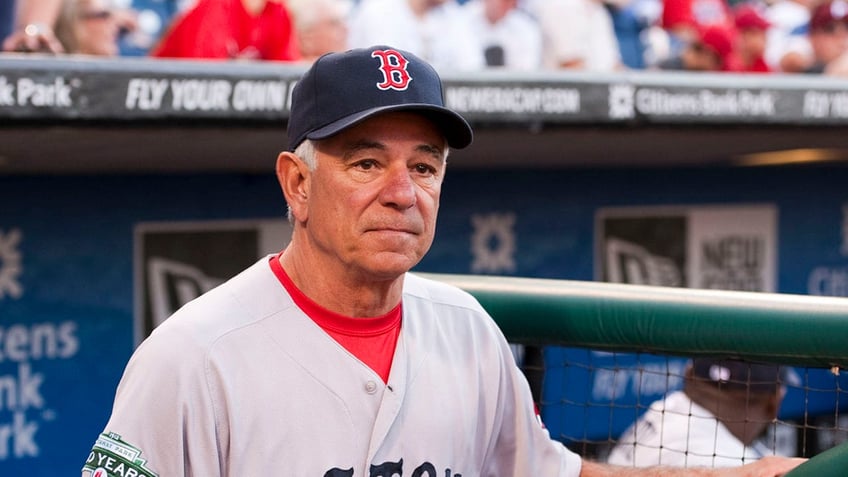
(370, 387)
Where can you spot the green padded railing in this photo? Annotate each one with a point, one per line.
(830, 463)
(787, 329)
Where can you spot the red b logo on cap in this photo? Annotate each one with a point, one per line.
(393, 67)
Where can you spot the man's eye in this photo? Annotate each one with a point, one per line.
(424, 169)
(366, 164)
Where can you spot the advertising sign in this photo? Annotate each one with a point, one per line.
(178, 261)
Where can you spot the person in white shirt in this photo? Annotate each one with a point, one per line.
(510, 37)
(715, 421)
(578, 35)
(435, 30)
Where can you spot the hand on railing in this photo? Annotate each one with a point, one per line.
(33, 38)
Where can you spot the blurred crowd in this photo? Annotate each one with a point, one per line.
(751, 36)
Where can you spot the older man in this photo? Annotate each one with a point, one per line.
(329, 358)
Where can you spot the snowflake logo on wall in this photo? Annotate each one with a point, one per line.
(621, 101)
(10, 264)
(493, 243)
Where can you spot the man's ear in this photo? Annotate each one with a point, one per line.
(293, 176)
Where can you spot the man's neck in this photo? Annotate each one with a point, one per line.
(338, 289)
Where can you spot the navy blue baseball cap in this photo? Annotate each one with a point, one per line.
(740, 375)
(343, 89)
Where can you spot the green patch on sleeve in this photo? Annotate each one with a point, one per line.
(112, 457)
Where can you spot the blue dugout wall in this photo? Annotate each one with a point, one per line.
(67, 246)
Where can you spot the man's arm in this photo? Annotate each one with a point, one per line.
(766, 467)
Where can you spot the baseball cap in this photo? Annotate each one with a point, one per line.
(739, 375)
(342, 89)
(718, 39)
(828, 13)
(748, 17)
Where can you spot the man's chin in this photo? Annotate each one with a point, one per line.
(390, 265)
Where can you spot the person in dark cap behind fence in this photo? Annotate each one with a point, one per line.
(329, 358)
(715, 421)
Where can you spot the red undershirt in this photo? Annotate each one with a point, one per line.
(372, 340)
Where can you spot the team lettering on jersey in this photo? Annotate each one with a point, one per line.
(393, 469)
(393, 66)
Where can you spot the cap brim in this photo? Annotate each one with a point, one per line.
(455, 128)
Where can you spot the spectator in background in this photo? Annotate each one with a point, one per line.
(685, 20)
(578, 35)
(435, 30)
(715, 421)
(90, 27)
(751, 38)
(231, 29)
(510, 37)
(828, 36)
(632, 21)
(320, 26)
(711, 50)
(787, 45)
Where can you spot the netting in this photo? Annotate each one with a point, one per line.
(589, 399)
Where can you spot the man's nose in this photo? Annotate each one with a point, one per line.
(399, 188)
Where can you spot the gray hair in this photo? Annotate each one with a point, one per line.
(307, 153)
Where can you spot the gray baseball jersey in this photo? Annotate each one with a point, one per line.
(240, 382)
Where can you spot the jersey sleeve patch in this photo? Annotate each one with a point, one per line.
(112, 457)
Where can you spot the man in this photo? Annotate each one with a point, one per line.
(828, 37)
(329, 358)
(751, 40)
(712, 51)
(716, 420)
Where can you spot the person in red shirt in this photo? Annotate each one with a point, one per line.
(711, 51)
(231, 29)
(750, 48)
(684, 20)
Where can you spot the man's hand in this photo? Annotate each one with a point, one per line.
(33, 38)
(771, 466)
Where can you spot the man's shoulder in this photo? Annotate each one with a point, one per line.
(439, 293)
(244, 299)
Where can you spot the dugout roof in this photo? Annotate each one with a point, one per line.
(70, 115)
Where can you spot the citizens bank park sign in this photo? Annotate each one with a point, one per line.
(45, 88)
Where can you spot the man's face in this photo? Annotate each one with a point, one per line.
(698, 57)
(497, 9)
(753, 41)
(374, 194)
(829, 41)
